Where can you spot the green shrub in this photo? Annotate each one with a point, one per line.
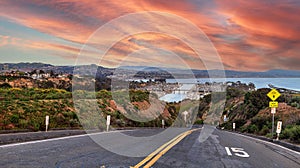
(5, 85)
(74, 123)
(233, 92)
(260, 121)
(292, 133)
(265, 130)
(198, 122)
(23, 124)
(252, 128)
(14, 119)
(239, 123)
(294, 104)
(243, 129)
(34, 125)
(138, 96)
(269, 135)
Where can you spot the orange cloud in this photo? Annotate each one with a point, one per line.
(269, 34)
(163, 47)
(75, 20)
(3, 40)
(272, 18)
(249, 35)
(8, 40)
(47, 21)
(71, 20)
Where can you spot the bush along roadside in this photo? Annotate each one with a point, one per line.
(26, 109)
(251, 114)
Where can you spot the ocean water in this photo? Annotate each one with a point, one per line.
(288, 83)
(173, 97)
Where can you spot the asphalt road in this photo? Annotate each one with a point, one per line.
(250, 152)
(221, 149)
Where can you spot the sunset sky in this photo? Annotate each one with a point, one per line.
(251, 35)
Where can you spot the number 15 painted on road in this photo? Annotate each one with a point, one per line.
(237, 151)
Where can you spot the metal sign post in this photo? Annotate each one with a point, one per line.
(47, 122)
(273, 111)
(273, 95)
(107, 122)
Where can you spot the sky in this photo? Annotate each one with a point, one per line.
(251, 35)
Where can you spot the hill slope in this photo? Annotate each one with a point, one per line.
(250, 112)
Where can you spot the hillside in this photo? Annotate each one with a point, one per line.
(25, 109)
(250, 112)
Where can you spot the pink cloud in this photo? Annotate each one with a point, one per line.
(249, 35)
(3, 40)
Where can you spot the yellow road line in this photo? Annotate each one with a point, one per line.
(155, 159)
(163, 149)
(150, 156)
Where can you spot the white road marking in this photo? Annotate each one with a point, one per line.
(55, 139)
(240, 152)
(228, 151)
(266, 142)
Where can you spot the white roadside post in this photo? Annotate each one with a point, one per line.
(233, 126)
(107, 122)
(163, 123)
(47, 122)
(225, 118)
(278, 130)
(185, 113)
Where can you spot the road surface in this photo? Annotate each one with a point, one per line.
(221, 149)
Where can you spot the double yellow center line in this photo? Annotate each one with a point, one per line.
(154, 156)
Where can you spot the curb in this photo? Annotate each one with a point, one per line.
(31, 136)
(10, 137)
(281, 143)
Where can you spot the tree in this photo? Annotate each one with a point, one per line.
(52, 73)
(5, 85)
(42, 72)
(33, 72)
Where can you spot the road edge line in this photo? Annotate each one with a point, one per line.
(56, 139)
(266, 142)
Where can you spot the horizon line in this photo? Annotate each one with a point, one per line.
(145, 67)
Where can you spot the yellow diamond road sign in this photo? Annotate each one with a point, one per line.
(273, 94)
